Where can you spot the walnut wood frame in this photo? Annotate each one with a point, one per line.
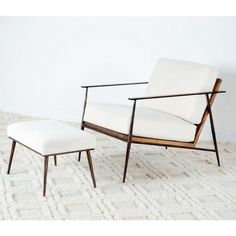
(130, 138)
(46, 160)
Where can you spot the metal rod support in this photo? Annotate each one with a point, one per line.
(129, 141)
(213, 129)
(79, 156)
(55, 160)
(176, 95)
(112, 85)
(85, 103)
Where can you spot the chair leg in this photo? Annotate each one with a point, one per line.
(213, 130)
(126, 159)
(217, 155)
(215, 142)
(45, 175)
(129, 141)
(11, 156)
(55, 160)
(79, 156)
(91, 167)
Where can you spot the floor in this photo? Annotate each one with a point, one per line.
(172, 184)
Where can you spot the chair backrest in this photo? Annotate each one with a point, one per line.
(173, 77)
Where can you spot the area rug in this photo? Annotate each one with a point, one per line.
(172, 184)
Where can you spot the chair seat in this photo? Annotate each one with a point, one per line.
(147, 123)
(49, 137)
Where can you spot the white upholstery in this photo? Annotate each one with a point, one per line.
(148, 122)
(50, 137)
(172, 77)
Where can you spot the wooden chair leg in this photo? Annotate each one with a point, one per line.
(11, 156)
(91, 167)
(79, 156)
(126, 160)
(45, 175)
(55, 160)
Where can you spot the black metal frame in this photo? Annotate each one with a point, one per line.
(46, 160)
(100, 86)
(132, 120)
(213, 128)
(112, 85)
(171, 96)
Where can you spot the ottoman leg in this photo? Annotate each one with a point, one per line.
(55, 160)
(11, 156)
(45, 175)
(91, 167)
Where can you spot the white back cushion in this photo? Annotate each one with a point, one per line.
(173, 77)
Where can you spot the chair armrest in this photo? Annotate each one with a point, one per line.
(111, 85)
(175, 95)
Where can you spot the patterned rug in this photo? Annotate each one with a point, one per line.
(161, 184)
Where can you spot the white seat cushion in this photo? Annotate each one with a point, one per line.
(50, 137)
(147, 123)
(173, 77)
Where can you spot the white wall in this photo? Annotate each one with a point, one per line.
(45, 60)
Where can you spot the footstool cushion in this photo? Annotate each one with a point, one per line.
(48, 137)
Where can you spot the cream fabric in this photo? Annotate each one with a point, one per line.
(173, 77)
(50, 137)
(148, 122)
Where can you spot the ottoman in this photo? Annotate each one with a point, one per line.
(51, 138)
